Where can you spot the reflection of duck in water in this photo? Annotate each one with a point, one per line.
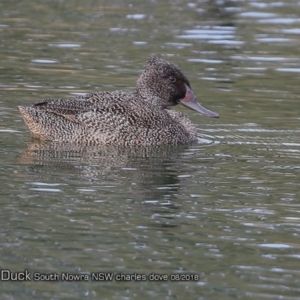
(131, 178)
(122, 118)
(141, 169)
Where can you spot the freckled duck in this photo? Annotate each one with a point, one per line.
(119, 117)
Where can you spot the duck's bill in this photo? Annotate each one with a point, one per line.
(191, 102)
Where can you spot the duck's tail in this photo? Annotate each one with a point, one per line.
(34, 121)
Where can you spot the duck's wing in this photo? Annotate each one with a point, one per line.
(72, 108)
(110, 106)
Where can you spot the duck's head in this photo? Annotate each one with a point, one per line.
(164, 84)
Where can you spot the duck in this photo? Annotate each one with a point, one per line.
(143, 117)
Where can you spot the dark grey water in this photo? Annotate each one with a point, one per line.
(226, 209)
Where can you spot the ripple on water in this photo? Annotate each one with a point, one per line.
(292, 70)
(256, 14)
(274, 40)
(208, 61)
(266, 5)
(291, 30)
(136, 17)
(46, 190)
(261, 58)
(66, 45)
(280, 21)
(212, 34)
(140, 43)
(44, 61)
(9, 130)
(45, 187)
(275, 246)
(179, 45)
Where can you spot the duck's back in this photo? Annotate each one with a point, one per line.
(118, 118)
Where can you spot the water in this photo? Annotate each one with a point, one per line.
(225, 209)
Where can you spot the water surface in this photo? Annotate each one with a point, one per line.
(226, 209)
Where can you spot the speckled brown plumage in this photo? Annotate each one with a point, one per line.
(121, 118)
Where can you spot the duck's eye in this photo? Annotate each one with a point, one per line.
(172, 79)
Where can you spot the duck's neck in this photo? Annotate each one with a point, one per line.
(150, 98)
